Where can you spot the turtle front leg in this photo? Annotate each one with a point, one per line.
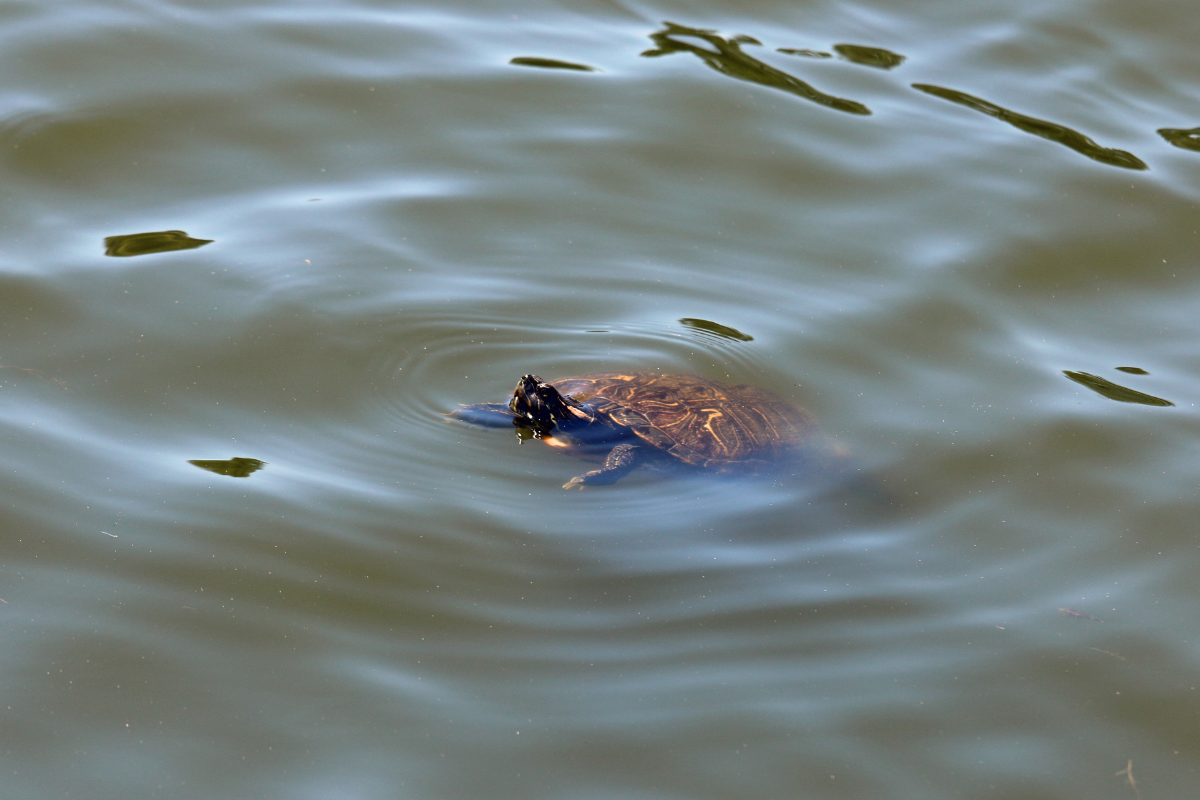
(620, 462)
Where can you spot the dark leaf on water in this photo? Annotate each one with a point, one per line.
(715, 329)
(1187, 138)
(869, 56)
(234, 467)
(1038, 127)
(1133, 370)
(549, 63)
(140, 244)
(1114, 391)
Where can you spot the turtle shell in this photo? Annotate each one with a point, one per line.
(702, 422)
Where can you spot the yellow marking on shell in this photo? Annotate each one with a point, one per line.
(713, 413)
(550, 440)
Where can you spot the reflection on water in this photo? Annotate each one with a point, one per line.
(236, 467)
(549, 63)
(1073, 614)
(26, 371)
(1039, 127)
(793, 51)
(140, 244)
(1115, 391)
(1186, 138)
(728, 59)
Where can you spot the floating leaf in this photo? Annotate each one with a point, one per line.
(716, 329)
(140, 244)
(234, 467)
(1115, 391)
(875, 57)
(549, 63)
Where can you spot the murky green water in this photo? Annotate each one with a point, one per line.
(912, 220)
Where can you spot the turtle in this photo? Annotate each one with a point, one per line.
(628, 420)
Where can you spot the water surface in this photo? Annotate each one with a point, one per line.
(298, 235)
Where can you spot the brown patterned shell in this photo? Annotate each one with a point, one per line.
(700, 421)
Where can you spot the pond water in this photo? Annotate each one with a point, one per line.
(252, 253)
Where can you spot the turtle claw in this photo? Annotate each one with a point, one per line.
(597, 477)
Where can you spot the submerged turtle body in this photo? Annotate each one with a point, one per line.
(699, 421)
(632, 419)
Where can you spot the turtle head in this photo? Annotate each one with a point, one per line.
(542, 406)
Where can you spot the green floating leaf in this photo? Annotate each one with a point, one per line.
(234, 467)
(140, 244)
(716, 329)
(1133, 370)
(1115, 391)
(549, 63)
